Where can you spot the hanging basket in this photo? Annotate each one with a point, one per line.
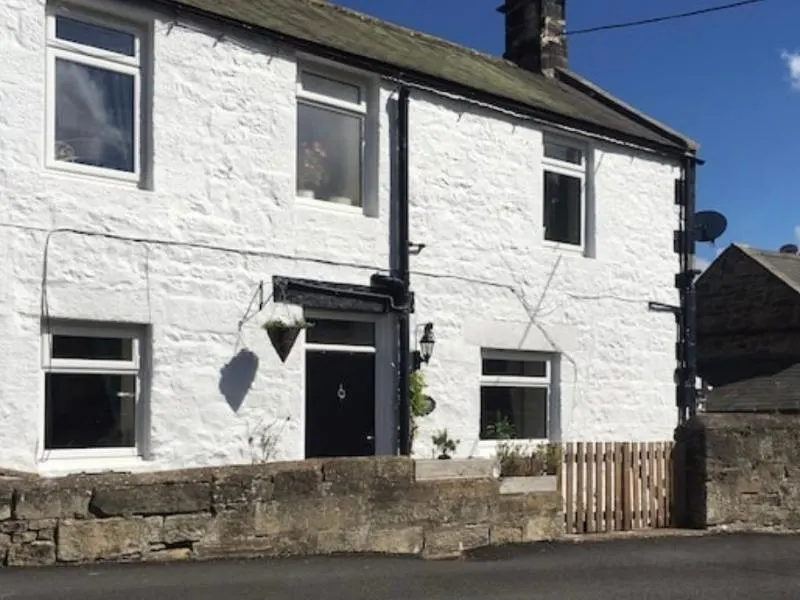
(284, 335)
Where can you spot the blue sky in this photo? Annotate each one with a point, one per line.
(724, 79)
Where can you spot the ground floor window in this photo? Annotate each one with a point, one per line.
(515, 395)
(92, 385)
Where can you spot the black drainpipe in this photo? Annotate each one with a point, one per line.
(687, 354)
(404, 325)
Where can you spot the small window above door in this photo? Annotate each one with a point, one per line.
(341, 333)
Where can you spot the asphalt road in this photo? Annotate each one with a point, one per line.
(728, 567)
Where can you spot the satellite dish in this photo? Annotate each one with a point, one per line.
(789, 249)
(709, 225)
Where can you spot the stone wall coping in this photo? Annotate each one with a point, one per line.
(746, 420)
(529, 485)
(432, 469)
(200, 474)
(423, 469)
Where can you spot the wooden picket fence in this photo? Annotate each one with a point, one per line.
(617, 486)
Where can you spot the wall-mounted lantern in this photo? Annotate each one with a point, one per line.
(426, 344)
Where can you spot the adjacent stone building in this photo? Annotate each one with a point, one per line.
(748, 315)
(174, 174)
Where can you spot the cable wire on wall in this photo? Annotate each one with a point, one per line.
(516, 290)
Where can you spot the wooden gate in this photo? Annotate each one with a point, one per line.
(617, 486)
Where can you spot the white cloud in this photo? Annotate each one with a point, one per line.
(792, 60)
(797, 233)
(701, 264)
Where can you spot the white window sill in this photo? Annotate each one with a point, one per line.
(563, 247)
(59, 466)
(329, 207)
(72, 171)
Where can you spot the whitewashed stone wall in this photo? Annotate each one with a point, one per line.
(223, 176)
(478, 207)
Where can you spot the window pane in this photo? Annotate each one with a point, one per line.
(346, 333)
(329, 155)
(92, 348)
(513, 413)
(562, 208)
(330, 87)
(89, 411)
(94, 116)
(88, 34)
(515, 368)
(563, 153)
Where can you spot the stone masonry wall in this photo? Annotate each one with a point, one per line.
(728, 295)
(742, 471)
(278, 509)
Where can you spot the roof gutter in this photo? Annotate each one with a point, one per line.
(679, 150)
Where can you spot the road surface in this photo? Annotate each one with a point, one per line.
(729, 567)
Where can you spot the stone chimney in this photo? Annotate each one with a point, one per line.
(535, 34)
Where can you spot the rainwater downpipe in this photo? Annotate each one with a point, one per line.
(688, 313)
(403, 256)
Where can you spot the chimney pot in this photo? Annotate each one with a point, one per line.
(535, 34)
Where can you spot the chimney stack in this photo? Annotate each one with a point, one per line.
(535, 34)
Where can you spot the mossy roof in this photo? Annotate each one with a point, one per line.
(326, 25)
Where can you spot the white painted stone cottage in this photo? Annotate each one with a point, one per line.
(169, 169)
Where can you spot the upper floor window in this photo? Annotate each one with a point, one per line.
(515, 395)
(93, 386)
(331, 116)
(564, 192)
(94, 101)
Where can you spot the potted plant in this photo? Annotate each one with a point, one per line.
(501, 429)
(444, 467)
(444, 444)
(313, 175)
(283, 334)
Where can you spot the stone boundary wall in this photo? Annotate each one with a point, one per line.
(741, 471)
(371, 505)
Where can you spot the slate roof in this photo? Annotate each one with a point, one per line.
(321, 23)
(762, 384)
(784, 266)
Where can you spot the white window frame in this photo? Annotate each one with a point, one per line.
(99, 367)
(513, 381)
(103, 59)
(348, 318)
(572, 170)
(360, 109)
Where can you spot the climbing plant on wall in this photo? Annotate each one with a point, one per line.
(418, 401)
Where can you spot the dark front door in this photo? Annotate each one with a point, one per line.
(340, 404)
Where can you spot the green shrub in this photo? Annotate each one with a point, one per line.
(515, 461)
(416, 384)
